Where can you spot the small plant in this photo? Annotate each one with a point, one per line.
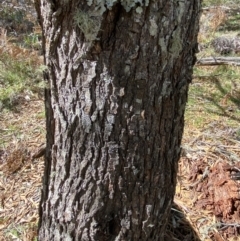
(14, 232)
(32, 41)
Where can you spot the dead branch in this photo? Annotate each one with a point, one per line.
(215, 7)
(218, 61)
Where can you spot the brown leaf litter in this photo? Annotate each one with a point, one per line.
(20, 172)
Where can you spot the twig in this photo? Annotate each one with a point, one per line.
(229, 224)
(40, 152)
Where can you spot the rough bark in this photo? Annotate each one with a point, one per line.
(115, 116)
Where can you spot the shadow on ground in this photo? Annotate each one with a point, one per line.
(179, 228)
(229, 105)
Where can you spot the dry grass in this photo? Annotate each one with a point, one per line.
(210, 21)
(212, 131)
(22, 129)
(217, 142)
(17, 52)
(20, 176)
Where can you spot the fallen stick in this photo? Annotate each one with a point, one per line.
(218, 61)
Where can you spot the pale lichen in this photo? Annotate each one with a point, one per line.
(102, 5)
(139, 10)
(90, 25)
(176, 42)
(153, 27)
(89, 22)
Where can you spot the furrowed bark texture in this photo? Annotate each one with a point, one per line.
(114, 109)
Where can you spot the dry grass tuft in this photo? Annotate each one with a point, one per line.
(14, 160)
(210, 21)
(218, 17)
(17, 52)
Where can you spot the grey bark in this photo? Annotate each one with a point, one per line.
(115, 116)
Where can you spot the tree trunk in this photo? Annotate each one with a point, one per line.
(118, 81)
